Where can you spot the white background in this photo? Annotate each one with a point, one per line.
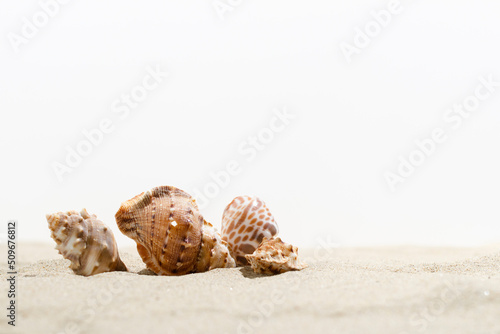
(322, 176)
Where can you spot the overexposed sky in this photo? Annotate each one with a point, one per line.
(308, 105)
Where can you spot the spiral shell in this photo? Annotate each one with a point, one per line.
(245, 223)
(171, 235)
(273, 256)
(86, 241)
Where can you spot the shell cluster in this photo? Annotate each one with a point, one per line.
(173, 238)
(246, 221)
(273, 256)
(251, 232)
(86, 241)
(171, 235)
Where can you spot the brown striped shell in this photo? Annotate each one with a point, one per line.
(273, 256)
(171, 235)
(246, 221)
(86, 241)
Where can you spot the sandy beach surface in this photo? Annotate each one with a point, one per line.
(344, 290)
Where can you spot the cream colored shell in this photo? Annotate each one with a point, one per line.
(214, 252)
(246, 221)
(171, 235)
(86, 241)
(273, 256)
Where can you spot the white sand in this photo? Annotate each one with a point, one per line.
(377, 290)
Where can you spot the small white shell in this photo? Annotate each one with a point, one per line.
(86, 242)
(273, 256)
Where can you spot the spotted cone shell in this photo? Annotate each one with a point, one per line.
(273, 256)
(245, 223)
(86, 241)
(171, 235)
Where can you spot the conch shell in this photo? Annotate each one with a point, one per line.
(171, 235)
(273, 256)
(86, 242)
(246, 221)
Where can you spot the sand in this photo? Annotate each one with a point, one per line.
(344, 290)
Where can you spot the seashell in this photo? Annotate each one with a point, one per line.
(245, 222)
(273, 256)
(86, 241)
(171, 235)
(214, 252)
